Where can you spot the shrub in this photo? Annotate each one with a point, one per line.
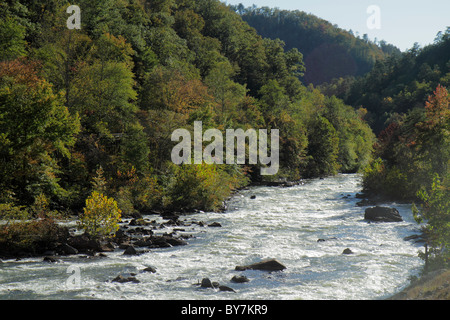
(435, 211)
(10, 212)
(202, 186)
(101, 216)
(30, 237)
(374, 177)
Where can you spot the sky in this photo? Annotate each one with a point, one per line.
(400, 22)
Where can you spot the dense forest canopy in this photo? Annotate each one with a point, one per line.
(97, 105)
(329, 51)
(397, 84)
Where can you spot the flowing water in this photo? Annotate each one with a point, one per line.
(280, 223)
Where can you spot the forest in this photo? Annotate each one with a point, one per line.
(404, 98)
(329, 51)
(87, 114)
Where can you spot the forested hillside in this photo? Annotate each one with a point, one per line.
(409, 105)
(403, 96)
(91, 111)
(329, 51)
(398, 84)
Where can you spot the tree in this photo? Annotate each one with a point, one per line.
(434, 133)
(36, 131)
(435, 211)
(226, 92)
(323, 148)
(100, 216)
(103, 87)
(12, 43)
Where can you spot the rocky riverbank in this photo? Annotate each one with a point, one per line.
(432, 286)
(152, 233)
(135, 236)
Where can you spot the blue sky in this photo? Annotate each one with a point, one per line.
(402, 22)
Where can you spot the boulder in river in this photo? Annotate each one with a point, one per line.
(226, 288)
(149, 269)
(130, 251)
(240, 279)
(265, 265)
(382, 214)
(122, 279)
(206, 283)
(84, 244)
(50, 259)
(347, 251)
(67, 249)
(215, 224)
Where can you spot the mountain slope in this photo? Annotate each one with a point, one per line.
(329, 52)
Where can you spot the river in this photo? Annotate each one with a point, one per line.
(280, 223)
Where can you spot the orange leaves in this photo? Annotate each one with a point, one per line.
(22, 70)
(170, 90)
(437, 108)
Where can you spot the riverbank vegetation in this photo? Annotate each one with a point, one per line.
(412, 154)
(86, 116)
(405, 99)
(99, 104)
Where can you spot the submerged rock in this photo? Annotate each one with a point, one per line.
(215, 224)
(240, 279)
(265, 265)
(50, 259)
(122, 279)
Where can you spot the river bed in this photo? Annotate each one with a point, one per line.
(280, 223)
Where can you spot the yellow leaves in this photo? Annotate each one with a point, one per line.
(101, 215)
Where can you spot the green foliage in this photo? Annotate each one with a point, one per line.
(413, 150)
(37, 130)
(200, 187)
(13, 41)
(355, 137)
(399, 84)
(435, 211)
(101, 216)
(10, 212)
(323, 148)
(330, 52)
(100, 104)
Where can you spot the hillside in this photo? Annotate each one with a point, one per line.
(397, 85)
(95, 108)
(329, 51)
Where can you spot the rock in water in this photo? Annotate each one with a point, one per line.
(347, 251)
(206, 283)
(130, 251)
(226, 288)
(382, 214)
(122, 279)
(265, 265)
(240, 279)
